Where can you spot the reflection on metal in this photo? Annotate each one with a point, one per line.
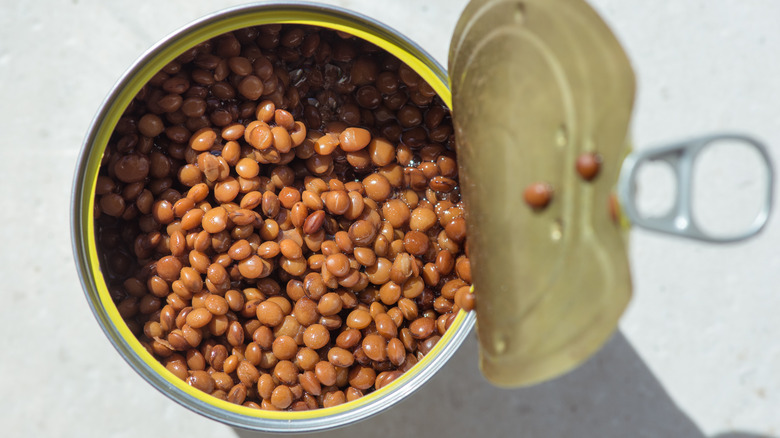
(535, 84)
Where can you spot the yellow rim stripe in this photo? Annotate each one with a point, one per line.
(125, 96)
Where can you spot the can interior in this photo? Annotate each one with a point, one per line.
(83, 223)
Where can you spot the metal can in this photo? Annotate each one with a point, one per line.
(83, 223)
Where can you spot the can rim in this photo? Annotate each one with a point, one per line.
(83, 199)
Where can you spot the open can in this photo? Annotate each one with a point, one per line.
(536, 84)
(84, 232)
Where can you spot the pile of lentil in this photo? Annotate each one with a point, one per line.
(279, 219)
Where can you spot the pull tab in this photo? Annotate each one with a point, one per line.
(680, 219)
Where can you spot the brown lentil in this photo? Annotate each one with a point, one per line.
(464, 298)
(199, 317)
(359, 319)
(269, 313)
(362, 377)
(377, 187)
(316, 336)
(330, 304)
(375, 347)
(396, 352)
(340, 357)
(588, 165)
(333, 398)
(354, 139)
(281, 397)
(386, 377)
(538, 195)
(306, 358)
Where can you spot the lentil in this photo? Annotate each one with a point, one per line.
(316, 336)
(588, 165)
(538, 195)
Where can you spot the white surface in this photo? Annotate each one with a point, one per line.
(697, 355)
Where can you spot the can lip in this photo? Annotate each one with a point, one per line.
(82, 227)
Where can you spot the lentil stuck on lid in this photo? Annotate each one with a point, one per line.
(279, 219)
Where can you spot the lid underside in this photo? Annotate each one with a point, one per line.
(535, 84)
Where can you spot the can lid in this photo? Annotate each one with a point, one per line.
(536, 84)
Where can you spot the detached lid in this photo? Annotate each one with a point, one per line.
(536, 84)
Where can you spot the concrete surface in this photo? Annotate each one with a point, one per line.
(697, 354)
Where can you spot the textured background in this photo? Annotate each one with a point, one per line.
(697, 354)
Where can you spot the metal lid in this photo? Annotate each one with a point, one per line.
(535, 84)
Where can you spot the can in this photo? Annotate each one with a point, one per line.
(83, 223)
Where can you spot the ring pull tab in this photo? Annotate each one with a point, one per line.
(680, 219)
